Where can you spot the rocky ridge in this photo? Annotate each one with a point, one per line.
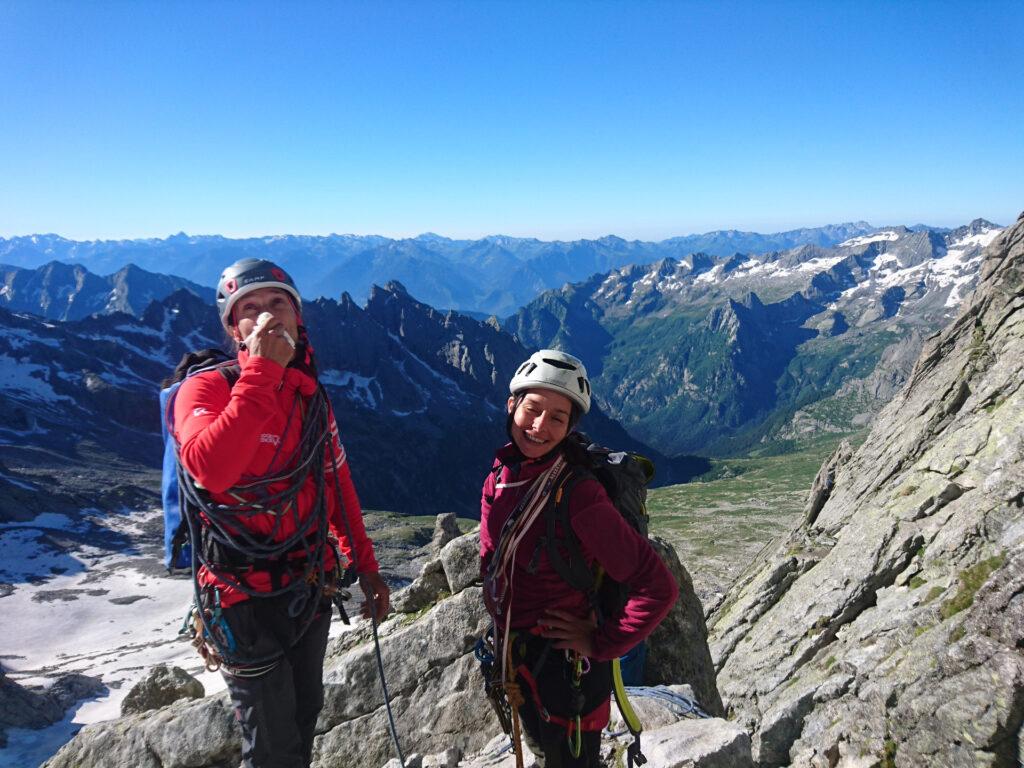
(83, 421)
(723, 355)
(888, 629)
(59, 291)
(436, 691)
(492, 275)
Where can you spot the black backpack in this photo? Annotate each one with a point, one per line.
(625, 477)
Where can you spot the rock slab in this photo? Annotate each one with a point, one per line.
(162, 686)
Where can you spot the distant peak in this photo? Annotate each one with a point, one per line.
(982, 225)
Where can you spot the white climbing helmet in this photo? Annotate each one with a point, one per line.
(557, 371)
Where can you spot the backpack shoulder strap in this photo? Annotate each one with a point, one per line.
(231, 373)
(573, 569)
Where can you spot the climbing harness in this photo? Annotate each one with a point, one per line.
(493, 687)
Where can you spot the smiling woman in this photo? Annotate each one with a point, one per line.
(555, 648)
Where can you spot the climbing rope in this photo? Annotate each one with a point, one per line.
(676, 703)
(223, 525)
(514, 696)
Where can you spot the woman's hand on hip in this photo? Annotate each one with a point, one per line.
(570, 632)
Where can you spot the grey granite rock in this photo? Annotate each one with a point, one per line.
(887, 629)
(187, 733)
(434, 680)
(163, 685)
(445, 529)
(714, 743)
(678, 648)
(22, 707)
(461, 560)
(426, 589)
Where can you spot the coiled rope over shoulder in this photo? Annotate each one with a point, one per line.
(215, 526)
(224, 525)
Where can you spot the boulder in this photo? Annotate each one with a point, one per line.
(162, 686)
(687, 743)
(461, 560)
(677, 650)
(425, 590)
(22, 707)
(434, 681)
(72, 688)
(446, 528)
(199, 732)
(713, 743)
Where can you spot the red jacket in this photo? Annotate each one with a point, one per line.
(228, 435)
(605, 537)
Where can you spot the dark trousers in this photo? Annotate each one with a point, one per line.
(277, 710)
(552, 675)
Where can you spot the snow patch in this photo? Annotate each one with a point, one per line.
(158, 356)
(981, 239)
(19, 338)
(358, 386)
(409, 413)
(105, 613)
(711, 275)
(28, 379)
(19, 483)
(820, 264)
(139, 329)
(879, 237)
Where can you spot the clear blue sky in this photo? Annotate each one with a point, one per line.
(548, 119)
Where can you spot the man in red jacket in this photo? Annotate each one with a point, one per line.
(272, 501)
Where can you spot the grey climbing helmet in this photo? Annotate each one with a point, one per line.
(557, 371)
(246, 276)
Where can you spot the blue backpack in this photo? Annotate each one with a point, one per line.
(177, 551)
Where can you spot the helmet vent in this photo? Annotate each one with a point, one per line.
(526, 369)
(559, 364)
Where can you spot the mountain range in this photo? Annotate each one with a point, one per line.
(493, 275)
(419, 395)
(720, 355)
(885, 631)
(700, 355)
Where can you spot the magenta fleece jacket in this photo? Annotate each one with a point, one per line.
(606, 538)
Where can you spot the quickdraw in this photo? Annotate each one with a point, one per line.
(493, 687)
(209, 632)
(573, 734)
